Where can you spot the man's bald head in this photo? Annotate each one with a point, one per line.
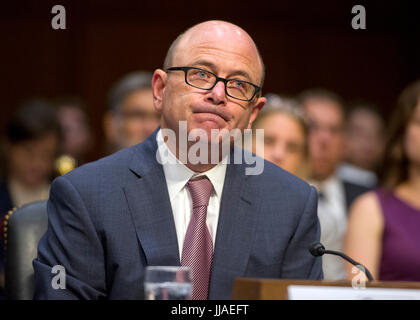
(212, 28)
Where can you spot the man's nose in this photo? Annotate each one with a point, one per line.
(217, 95)
(323, 134)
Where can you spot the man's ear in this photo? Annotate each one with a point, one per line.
(159, 81)
(255, 109)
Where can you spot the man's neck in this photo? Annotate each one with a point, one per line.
(200, 167)
(209, 163)
(321, 180)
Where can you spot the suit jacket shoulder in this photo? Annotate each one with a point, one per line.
(276, 182)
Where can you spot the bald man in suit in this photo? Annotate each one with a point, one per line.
(110, 219)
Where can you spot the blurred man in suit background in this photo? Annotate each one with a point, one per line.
(131, 116)
(326, 119)
(364, 146)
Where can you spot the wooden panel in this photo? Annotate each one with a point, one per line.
(303, 45)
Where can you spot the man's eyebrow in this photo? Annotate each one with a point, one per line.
(211, 65)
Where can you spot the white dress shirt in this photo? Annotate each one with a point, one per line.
(177, 175)
(333, 220)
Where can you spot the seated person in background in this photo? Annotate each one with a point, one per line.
(384, 225)
(110, 219)
(131, 116)
(325, 114)
(365, 142)
(285, 135)
(77, 137)
(32, 138)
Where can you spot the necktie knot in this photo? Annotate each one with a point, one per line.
(200, 190)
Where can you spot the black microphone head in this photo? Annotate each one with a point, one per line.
(317, 249)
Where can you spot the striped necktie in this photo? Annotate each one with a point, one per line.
(197, 251)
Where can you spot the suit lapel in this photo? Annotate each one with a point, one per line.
(235, 231)
(150, 207)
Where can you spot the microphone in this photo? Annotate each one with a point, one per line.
(318, 250)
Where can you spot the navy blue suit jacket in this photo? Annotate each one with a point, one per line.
(109, 219)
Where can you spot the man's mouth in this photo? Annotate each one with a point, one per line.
(211, 113)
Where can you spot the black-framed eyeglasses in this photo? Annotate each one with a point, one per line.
(206, 80)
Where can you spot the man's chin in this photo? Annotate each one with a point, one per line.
(212, 134)
(210, 125)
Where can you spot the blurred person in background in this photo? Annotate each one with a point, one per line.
(383, 232)
(365, 143)
(131, 116)
(31, 145)
(285, 135)
(326, 120)
(77, 135)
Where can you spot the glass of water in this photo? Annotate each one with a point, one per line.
(167, 283)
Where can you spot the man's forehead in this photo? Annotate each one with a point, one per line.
(216, 33)
(215, 29)
(212, 36)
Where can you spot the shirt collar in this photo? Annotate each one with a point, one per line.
(177, 174)
(328, 183)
